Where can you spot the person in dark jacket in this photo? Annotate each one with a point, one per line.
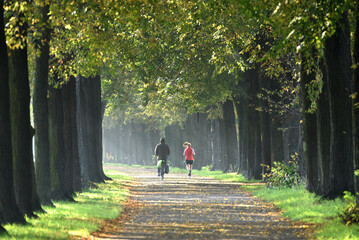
(162, 151)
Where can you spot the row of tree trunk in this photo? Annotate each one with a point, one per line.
(68, 125)
(328, 138)
(130, 144)
(215, 142)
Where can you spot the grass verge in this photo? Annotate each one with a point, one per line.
(76, 219)
(300, 205)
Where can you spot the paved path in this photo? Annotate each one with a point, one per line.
(197, 208)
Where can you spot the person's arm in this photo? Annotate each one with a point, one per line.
(193, 151)
(184, 152)
(156, 150)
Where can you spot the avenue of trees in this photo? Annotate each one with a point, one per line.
(248, 83)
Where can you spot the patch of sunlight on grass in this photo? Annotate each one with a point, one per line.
(79, 218)
(298, 204)
(334, 230)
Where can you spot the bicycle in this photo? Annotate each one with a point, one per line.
(163, 169)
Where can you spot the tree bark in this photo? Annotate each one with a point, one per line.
(242, 108)
(74, 137)
(9, 212)
(323, 133)
(309, 133)
(356, 105)
(175, 139)
(69, 126)
(276, 138)
(230, 133)
(20, 124)
(265, 127)
(98, 117)
(81, 132)
(257, 171)
(338, 59)
(57, 149)
(91, 126)
(40, 109)
(251, 143)
(215, 145)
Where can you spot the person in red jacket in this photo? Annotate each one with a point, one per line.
(189, 153)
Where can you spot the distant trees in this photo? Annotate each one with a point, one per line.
(283, 69)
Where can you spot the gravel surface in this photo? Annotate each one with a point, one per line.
(196, 208)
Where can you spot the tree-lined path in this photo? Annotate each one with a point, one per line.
(198, 208)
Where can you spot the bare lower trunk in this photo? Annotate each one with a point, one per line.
(9, 212)
(40, 108)
(20, 126)
(338, 60)
(309, 133)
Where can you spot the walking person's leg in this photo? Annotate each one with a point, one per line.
(189, 168)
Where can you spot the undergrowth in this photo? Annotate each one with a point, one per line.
(283, 174)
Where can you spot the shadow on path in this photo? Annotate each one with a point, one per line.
(196, 208)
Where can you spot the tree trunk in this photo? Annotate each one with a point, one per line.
(240, 104)
(251, 143)
(20, 123)
(356, 106)
(215, 145)
(9, 212)
(99, 111)
(323, 133)
(93, 112)
(57, 149)
(81, 133)
(68, 129)
(309, 133)
(175, 138)
(231, 147)
(40, 109)
(74, 137)
(244, 136)
(257, 171)
(265, 127)
(338, 59)
(276, 139)
(223, 142)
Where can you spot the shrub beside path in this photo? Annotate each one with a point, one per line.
(196, 208)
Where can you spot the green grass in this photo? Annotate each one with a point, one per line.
(300, 205)
(205, 172)
(80, 218)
